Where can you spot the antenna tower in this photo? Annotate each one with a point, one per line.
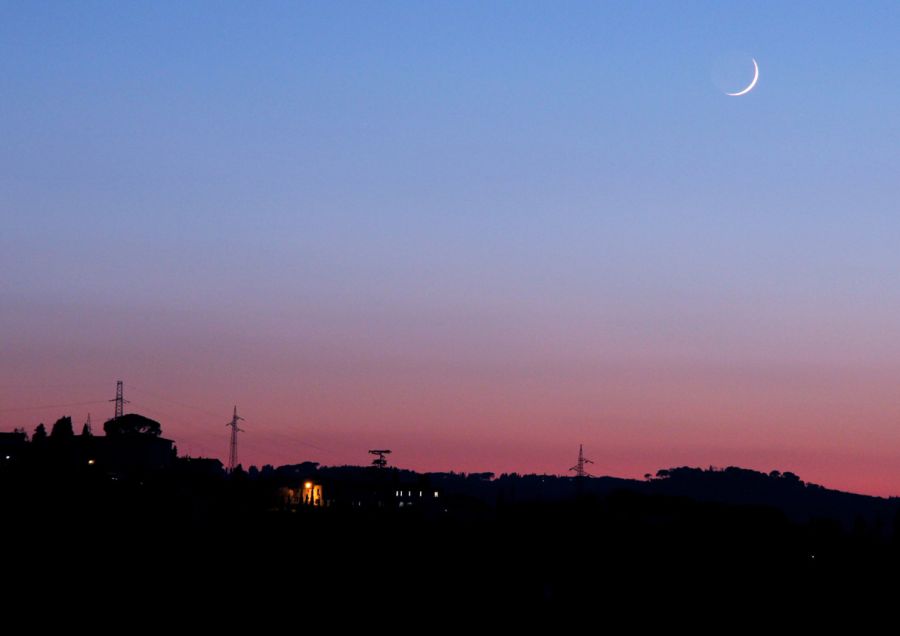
(381, 460)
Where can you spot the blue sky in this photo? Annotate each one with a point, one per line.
(451, 183)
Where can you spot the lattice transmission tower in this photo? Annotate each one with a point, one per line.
(119, 400)
(233, 452)
(579, 467)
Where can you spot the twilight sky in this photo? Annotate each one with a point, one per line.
(478, 234)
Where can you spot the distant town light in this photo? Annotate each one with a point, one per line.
(90, 462)
(435, 493)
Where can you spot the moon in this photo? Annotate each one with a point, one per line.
(752, 84)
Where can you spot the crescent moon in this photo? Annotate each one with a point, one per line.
(752, 84)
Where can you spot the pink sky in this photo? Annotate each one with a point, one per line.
(472, 394)
(477, 234)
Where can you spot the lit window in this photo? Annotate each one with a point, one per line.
(435, 493)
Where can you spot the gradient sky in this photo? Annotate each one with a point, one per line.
(478, 234)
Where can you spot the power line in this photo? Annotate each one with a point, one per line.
(168, 416)
(198, 427)
(174, 402)
(52, 406)
(271, 433)
(49, 386)
(216, 415)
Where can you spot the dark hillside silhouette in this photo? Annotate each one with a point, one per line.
(127, 505)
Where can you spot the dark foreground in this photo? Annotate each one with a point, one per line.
(212, 549)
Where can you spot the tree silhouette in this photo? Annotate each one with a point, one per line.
(62, 429)
(132, 424)
(40, 433)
